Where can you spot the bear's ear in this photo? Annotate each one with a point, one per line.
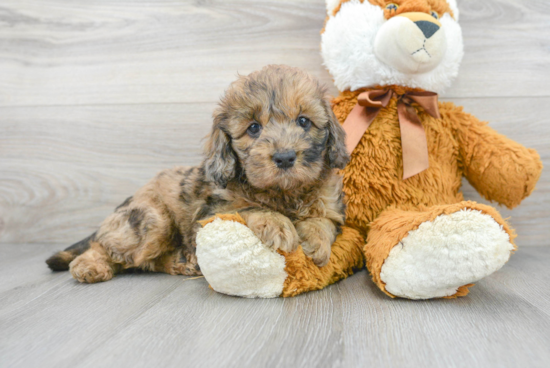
(331, 5)
(452, 5)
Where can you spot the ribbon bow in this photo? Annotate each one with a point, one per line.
(413, 137)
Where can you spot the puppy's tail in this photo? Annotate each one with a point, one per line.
(60, 260)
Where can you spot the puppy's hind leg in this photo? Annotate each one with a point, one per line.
(94, 265)
(140, 231)
(178, 262)
(132, 237)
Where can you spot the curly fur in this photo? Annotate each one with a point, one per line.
(156, 228)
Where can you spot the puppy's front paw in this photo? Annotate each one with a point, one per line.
(318, 250)
(316, 240)
(273, 229)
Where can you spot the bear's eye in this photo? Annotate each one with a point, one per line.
(304, 122)
(392, 7)
(435, 15)
(254, 130)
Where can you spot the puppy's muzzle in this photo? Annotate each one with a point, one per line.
(284, 160)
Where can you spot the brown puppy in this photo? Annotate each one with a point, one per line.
(271, 157)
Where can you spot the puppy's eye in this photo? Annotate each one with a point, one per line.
(304, 122)
(435, 15)
(392, 7)
(254, 130)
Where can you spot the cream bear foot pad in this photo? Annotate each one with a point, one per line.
(442, 255)
(235, 262)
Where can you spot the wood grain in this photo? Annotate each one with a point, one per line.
(144, 320)
(64, 168)
(495, 325)
(136, 52)
(96, 97)
(55, 52)
(506, 46)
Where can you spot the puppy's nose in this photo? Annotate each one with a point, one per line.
(428, 28)
(284, 160)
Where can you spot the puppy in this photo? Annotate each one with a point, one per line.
(271, 157)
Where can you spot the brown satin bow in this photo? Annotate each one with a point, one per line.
(413, 137)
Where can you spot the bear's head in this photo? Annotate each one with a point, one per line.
(412, 43)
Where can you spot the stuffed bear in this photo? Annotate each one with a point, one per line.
(406, 217)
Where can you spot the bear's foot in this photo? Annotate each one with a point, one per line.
(443, 256)
(235, 262)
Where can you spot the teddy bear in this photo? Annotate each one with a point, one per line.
(406, 218)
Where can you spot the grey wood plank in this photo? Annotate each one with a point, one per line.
(506, 49)
(23, 275)
(48, 319)
(232, 332)
(51, 190)
(56, 52)
(13, 254)
(527, 275)
(141, 51)
(64, 168)
(159, 320)
(492, 327)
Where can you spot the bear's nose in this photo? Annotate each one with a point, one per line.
(284, 160)
(428, 28)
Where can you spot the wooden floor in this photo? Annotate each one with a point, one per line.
(155, 320)
(97, 96)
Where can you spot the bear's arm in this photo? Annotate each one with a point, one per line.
(501, 169)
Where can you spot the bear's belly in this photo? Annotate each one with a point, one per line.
(373, 180)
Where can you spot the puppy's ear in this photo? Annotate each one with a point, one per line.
(221, 161)
(337, 153)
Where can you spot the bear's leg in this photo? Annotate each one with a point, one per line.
(346, 257)
(235, 262)
(437, 252)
